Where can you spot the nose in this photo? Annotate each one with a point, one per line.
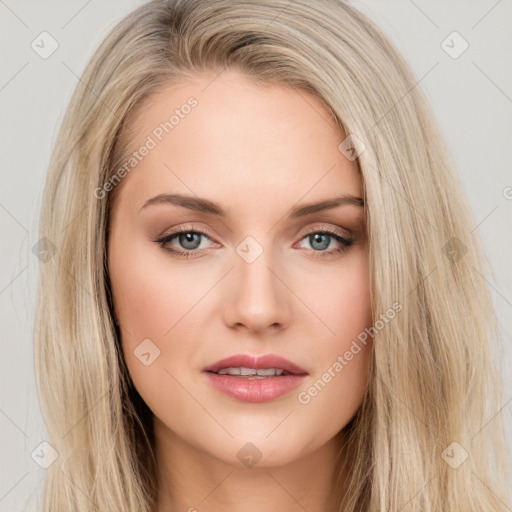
(259, 300)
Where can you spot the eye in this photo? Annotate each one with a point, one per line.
(188, 239)
(321, 239)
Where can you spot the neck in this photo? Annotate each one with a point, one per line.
(192, 480)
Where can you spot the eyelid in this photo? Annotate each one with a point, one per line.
(184, 228)
(330, 229)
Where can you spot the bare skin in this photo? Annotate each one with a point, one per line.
(258, 152)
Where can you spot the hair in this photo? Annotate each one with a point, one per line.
(432, 380)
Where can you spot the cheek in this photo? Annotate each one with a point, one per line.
(150, 295)
(159, 299)
(342, 302)
(151, 303)
(344, 353)
(146, 303)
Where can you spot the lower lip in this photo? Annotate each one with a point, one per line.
(255, 390)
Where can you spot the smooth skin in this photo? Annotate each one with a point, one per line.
(258, 152)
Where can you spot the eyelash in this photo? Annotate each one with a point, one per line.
(345, 242)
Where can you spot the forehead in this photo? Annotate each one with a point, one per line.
(240, 143)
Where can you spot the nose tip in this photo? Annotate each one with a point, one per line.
(259, 301)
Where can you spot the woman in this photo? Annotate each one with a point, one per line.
(266, 292)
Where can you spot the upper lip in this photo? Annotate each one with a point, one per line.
(256, 362)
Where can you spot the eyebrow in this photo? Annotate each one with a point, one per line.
(206, 206)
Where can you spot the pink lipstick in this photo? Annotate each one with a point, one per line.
(255, 379)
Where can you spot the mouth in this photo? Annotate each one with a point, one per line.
(247, 365)
(253, 373)
(255, 378)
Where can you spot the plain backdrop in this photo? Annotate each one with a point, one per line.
(471, 96)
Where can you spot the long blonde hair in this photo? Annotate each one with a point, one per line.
(433, 394)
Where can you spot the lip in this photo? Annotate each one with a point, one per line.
(255, 390)
(256, 362)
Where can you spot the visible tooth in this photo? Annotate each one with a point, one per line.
(248, 371)
(269, 371)
(229, 371)
(251, 372)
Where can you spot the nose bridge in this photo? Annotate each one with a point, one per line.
(260, 298)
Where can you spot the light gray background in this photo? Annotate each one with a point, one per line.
(471, 97)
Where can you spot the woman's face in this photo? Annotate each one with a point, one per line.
(253, 273)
